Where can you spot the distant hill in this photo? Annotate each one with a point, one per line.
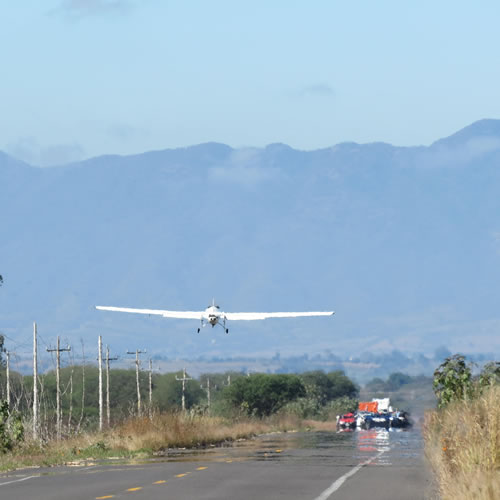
(404, 243)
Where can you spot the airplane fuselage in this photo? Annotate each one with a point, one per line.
(212, 315)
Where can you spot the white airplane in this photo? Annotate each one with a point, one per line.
(212, 315)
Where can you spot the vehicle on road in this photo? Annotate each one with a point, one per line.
(379, 413)
(346, 421)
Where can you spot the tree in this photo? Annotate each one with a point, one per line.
(452, 380)
(317, 385)
(262, 394)
(341, 385)
(325, 387)
(396, 380)
(168, 392)
(376, 385)
(490, 375)
(218, 382)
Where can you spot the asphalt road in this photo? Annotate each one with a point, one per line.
(373, 464)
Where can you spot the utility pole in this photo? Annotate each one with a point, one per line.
(7, 374)
(208, 393)
(99, 360)
(137, 352)
(108, 359)
(150, 389)
(35, 385)
(183, 379)
(58, 351)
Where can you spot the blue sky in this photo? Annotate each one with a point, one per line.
(86, 77)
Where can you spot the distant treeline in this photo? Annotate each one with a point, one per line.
(231, 393)
(396, 381)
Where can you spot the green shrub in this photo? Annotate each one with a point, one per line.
(307, 407)
(452, 380)
(11, 428)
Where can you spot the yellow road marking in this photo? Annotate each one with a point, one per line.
(160, 482)
(182, 475)
(102, 498)
(228, 461)
(135, 489)
(279, 451)
(202, 468)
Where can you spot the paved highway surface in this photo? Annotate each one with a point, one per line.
(372, 465)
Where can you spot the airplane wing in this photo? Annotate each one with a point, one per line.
(159, 312)
(252, 316)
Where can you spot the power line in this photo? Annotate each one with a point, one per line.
(20, 344)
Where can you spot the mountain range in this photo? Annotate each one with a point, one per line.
(402, 242)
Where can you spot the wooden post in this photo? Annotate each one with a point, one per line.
(35, 384)
(58, 392)
(208, 392)
(183, 379)
(108, 359)
(150, 389)
(137, 382)
(99, 357)
(137, 352)
(7, 374)
(58, 351)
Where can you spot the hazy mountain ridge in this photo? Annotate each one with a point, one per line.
(402, 242)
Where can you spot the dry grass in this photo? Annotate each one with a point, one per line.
(145, 437)
(318, 425)
(462, 443)
(179, 431)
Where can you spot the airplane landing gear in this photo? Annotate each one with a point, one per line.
(202, 326)
(227, 330)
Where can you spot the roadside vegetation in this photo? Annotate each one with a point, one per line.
(462, 437)
(235, 407)
(141, 437)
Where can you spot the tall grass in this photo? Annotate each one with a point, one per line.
(462, 443)
(144, 436)
(178, 430)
